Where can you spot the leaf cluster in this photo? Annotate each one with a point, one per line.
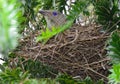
(66, 79)
(114, 53)
(12, 76)
(8, 26)
(114, 47)
(114, 78)
(108, 13)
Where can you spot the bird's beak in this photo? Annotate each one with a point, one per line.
(42, 12)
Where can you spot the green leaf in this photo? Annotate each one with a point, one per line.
(114, 77)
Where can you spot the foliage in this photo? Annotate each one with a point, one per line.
(66, 79)
(12, 76)
(35, 68)
(114, 77)
(114, 47)
(8, 26)
(46, 4)
(27, 8)
(54, 5)
(9, 23)
(108, 14)
(60, 5)
(30, 81)
(79, 6)
(17, 76)
(48, 81)
(88, 80)
(38, 70)
(114, 52)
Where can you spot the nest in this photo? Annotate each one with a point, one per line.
(78, 52)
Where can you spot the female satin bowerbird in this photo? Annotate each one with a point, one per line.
(53, 18)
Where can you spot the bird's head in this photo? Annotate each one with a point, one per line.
(49, 13)
(53, 18)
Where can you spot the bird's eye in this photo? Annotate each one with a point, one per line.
(54, 13)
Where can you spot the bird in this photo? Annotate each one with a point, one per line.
(53, 18)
